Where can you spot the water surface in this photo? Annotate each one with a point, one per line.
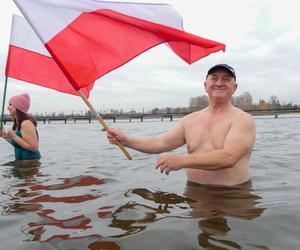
(86, 195)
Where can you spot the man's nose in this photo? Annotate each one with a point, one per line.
(219, 82)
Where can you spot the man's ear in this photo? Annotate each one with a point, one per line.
(235, 87)
(205, 86)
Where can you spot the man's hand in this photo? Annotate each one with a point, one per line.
(169, 163)
(116, 135)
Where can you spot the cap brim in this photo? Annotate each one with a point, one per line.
(221, 67)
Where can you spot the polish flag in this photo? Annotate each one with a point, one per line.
(28, 60)
(89, 38)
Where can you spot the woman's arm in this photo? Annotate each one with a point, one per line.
(5, 136)
(29, 140)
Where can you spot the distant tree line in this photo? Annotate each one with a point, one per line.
(245, 102)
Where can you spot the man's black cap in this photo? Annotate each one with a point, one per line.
(226, 67)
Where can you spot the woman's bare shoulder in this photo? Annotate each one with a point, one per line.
(26, 124)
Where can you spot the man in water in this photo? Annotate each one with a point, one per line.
(219, 138)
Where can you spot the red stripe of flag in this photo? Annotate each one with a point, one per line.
(96, 43)
(38, 69)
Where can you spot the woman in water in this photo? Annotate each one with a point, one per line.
(23, 135)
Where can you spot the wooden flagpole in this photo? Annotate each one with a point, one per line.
(100, 119)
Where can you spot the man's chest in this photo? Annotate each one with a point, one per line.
(206, 136)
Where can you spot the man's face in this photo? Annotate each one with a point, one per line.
(220, 84)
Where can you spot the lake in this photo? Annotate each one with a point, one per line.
(86, 195)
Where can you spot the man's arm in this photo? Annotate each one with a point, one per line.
(238, 143)
(172, 139)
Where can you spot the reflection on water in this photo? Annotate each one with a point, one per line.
(24, 168)
(70, 182)
(133, 217)
(27, 197)
(219, 201)
(215, 204)
(211, 206)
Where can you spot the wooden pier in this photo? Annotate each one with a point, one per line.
(111, 117)
(141, 117)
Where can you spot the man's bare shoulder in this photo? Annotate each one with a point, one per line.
(194, 115)
(242, 116)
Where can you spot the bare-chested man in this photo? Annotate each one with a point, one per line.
(219, 138)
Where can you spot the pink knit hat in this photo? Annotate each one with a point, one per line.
(20, 102)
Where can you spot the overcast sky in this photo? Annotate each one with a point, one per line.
(262, 40)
